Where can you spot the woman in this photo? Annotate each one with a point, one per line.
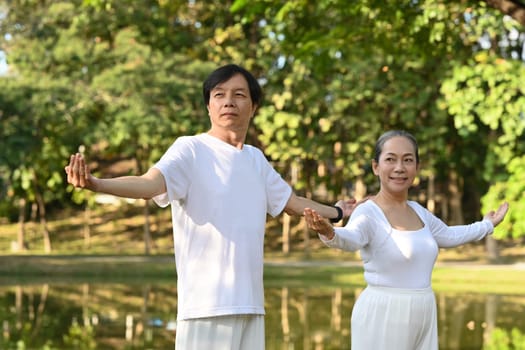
(399, 241)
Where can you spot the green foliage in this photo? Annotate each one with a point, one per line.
(486, 99)
(122, 80)
(84, 77)
(80, 337)
(510, 190)
(501, 339)
(25, 340)
(489, 93)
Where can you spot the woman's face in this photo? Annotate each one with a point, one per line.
(397, 167)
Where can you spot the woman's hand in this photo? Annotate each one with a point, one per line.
(349, 205)
(497, 216)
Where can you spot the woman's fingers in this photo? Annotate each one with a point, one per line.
(497, 216)
(315, 221)
(501, 212)
(312, 218)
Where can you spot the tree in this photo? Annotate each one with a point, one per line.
(391, 68)
(93, 77)
(122, 79)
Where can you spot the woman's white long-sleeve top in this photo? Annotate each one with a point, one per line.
(401, 259)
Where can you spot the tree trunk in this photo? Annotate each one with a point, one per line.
(146, 294)
(458, 321)
(147, 232)
(39, 313)
(85, 304)
(360, 188)
(21, 244)
(19, 307)
(302, 308)
(444, 209)
(431, 194)
(285, 318)
(336, 318)
(514, 9)
(34, 212)
(455, 192)
(87, 227)
(491, 315)
(306, 235)
(43, 221)
(147, 226)
(287, 220)
(286, 233)
(491, 246)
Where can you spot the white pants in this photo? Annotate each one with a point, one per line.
(391, 318)
(231, 332)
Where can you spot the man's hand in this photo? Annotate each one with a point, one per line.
(78, 173)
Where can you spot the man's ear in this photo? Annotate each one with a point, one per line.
(254, 110)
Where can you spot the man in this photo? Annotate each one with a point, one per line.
(220, 191)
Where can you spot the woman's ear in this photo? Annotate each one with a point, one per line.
(374, 167)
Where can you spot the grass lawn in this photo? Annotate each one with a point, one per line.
(115, 250)
(499, 279)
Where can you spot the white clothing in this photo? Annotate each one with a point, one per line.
(401, 259)
(235, 332)
(392, 312)
(220, 197)
(383, 312)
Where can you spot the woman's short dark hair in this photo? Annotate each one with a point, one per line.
(393, 133)
(223, 74)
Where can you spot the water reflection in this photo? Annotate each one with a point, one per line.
(142, 316)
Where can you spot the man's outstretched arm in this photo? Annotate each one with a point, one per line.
(297, 204)
(145, 186)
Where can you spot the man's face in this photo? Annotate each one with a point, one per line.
(230, 106)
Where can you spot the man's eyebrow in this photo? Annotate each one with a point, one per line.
(240, 88)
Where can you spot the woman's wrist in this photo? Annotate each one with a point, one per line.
(330, 235)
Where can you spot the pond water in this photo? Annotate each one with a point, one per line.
(142, 315)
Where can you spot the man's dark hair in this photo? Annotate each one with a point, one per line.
(224, 73)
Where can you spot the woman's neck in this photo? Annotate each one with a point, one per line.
(386, 199)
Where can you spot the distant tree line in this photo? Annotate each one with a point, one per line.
(120, 80)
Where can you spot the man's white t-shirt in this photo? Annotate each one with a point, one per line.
(220, 197)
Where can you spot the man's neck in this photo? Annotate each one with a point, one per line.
(233, 138)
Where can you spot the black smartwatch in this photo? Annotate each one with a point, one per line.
(339, 214)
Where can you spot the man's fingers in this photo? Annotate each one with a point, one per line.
(77, 171)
